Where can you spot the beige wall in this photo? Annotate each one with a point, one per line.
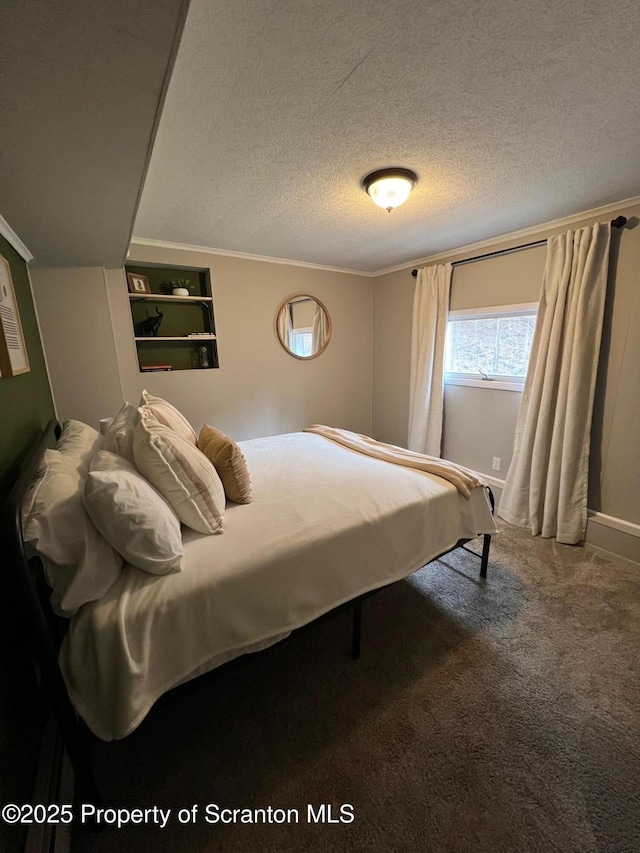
(258, 389)
(504, 280)
(391, 361)
(477, 426)
(78, 340)
(480, 423)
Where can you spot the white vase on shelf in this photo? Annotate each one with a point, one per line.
(180, 291)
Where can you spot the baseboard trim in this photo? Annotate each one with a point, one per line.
(606, 534)
(493, 481)
(611, 555)
(620, 524)
(613, 536)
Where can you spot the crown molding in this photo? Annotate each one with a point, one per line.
(11, 237)
(226, 253)
(523, 233)
(471, 248)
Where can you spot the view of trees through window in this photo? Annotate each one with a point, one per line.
(497, 346)
(302, 342)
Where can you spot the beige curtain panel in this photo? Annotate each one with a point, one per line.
(284, 326)
(320, 327)
(428, 333)
(546, 487)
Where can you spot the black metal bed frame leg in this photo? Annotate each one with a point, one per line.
(485, 555)
(356, 628)
(486, 544)
(74, 733)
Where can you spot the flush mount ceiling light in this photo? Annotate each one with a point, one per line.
(390, 188)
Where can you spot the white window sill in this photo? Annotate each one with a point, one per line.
(487, 384)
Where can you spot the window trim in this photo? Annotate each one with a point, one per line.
(471, 381)
(476, 380)
(516, 310)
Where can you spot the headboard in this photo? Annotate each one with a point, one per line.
(43, 629)
(27, 574)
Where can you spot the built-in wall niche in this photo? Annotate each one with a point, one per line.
(172, 332)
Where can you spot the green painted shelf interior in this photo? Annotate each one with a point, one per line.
(158, 276)
(180, 355)
(179, 319)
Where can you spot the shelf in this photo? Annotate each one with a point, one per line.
(164, 297)
(190, 338)
(169, 315)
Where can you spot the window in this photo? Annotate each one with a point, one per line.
(302, 342)
(489, 347)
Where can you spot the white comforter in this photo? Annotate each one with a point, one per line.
(325, 524)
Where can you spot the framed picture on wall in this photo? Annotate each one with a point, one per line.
(13, 350)
(138, 283)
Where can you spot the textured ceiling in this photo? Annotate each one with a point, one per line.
(80, 87)
(511, 113)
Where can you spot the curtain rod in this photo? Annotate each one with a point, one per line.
(618, 222)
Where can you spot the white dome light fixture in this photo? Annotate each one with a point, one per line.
(390, 188)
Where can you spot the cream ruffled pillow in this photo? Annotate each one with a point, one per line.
(168, 415)
(180, 472)
(119, 435)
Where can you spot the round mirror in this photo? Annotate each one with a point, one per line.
(304, 326)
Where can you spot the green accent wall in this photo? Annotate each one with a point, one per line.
(26, 406)
(25, 401)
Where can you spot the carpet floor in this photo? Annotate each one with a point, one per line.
(497, 716)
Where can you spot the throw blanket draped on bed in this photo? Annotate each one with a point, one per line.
(324, 525)
(462, 478)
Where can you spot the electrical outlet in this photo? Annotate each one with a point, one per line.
(496, 463)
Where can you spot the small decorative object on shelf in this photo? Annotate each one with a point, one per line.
(203, 357)
(138, 283)
(178, 287)
(150, 327)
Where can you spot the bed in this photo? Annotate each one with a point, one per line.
(327, 525)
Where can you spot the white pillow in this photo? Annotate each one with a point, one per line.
(132, 516)
(168, 415)
(181, 473)
(79, 443)
(80, 565)
(119, 435)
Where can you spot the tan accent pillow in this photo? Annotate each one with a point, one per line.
(229, 462)
(168, 415)
(180, 472)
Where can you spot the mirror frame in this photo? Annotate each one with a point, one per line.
(329, 326)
